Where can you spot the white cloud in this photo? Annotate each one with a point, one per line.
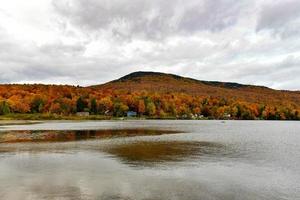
(91, 42)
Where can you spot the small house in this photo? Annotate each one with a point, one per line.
(131, 114)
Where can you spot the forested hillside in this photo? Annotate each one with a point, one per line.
(156, 95)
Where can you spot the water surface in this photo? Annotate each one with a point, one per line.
(160, 160)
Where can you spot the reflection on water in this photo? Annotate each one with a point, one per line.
(73, 135)
(206, 160)
(17, 122)
(154, 152)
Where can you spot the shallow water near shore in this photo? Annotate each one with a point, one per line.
(150, 160)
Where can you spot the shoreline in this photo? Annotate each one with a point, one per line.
(19, 119)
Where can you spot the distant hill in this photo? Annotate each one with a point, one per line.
(170, 83)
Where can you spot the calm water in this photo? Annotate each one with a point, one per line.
(232, 160)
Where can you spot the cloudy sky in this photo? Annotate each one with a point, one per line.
(93, 41)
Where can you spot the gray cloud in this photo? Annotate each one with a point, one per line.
(91, 42)
(282, 18)
(153, 19)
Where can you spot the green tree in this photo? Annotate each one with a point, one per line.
(239, 111)
(172, 109)
(37, 105)
(4, 108)
(120, 109)
(80, 105)
(151, 109)
(93, 106)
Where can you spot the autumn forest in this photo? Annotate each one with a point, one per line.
(153, 95)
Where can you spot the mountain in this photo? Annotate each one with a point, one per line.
(170, 83)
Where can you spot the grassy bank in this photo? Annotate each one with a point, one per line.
(52, 117)
(39, 116)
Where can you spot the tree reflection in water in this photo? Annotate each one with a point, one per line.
(143, 153)
(73, 135)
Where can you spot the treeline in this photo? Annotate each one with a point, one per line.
(68, 100)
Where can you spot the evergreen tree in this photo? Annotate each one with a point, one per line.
(93, 106)
(4, 108)
(37, 105)
(80, 105)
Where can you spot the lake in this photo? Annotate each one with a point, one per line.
(150, 159)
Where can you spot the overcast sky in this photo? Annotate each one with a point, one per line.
(93, 41)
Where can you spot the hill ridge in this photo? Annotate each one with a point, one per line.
(140, 74)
